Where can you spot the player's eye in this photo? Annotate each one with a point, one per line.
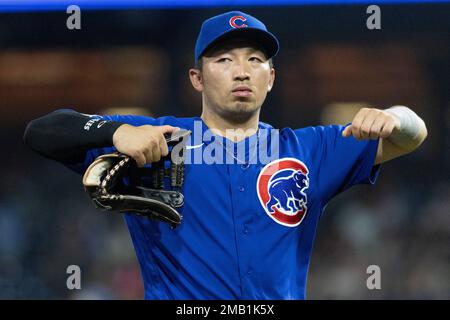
(256, 59)
(223, 59)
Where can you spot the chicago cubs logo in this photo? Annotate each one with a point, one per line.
(236, 18)
(281, 189)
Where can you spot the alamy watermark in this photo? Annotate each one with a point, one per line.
(374, 280)
(73, 22)
(373, 22)
(74, 279)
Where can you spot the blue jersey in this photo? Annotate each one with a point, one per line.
(248, 228)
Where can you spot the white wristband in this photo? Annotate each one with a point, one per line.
(409, 124)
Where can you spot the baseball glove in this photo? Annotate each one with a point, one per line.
(115, 183)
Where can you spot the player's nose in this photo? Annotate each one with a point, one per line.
(241, 72)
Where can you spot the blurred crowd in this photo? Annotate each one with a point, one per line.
(402, 227)
(51, 224)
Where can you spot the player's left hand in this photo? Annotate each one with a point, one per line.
(371, 123)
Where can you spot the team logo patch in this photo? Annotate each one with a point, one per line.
(281, 189)
(241, 23)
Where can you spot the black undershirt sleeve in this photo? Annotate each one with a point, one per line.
(66, 135)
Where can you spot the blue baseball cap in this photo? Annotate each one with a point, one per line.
(230, 25)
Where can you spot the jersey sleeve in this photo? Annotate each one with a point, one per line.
(133, 120)
(343, 162)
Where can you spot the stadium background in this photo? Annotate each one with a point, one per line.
(136, 60)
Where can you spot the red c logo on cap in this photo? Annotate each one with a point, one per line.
(233, 22)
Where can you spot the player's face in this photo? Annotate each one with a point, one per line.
(235, 80)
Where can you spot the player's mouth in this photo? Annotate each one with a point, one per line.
(242, 91)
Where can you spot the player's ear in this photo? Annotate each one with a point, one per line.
(196, 77)
(271, 80)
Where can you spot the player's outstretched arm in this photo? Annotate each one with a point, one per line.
(66, 135)
(399, 129)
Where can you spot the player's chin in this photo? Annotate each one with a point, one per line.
(241, 111)
(244, 106)
(243, 103)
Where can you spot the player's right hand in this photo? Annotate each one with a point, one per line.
(145, 144)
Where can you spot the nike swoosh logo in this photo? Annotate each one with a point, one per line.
(194, 147)
(100, 124)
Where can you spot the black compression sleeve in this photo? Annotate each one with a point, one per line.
(65, 135)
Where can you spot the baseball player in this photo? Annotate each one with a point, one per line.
(248, 226)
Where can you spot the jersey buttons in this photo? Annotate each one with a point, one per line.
(241, 188)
